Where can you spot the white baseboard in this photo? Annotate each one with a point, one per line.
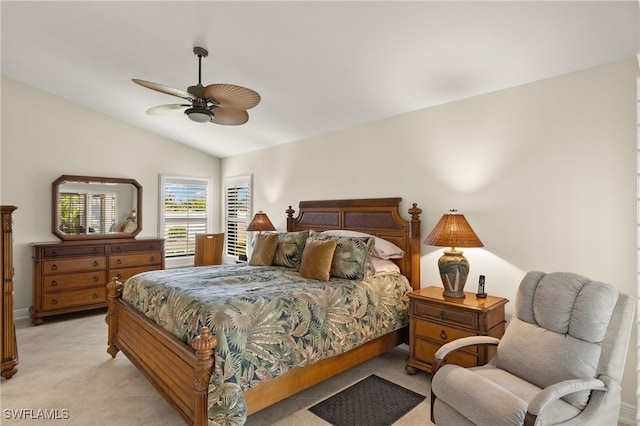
(627, 414)
(19, 314)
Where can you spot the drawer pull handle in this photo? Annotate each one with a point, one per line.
(95, 279)
(96, 295)
(443, 334)
(443, 315)
(119, 261)
(153, 258)
(96, 263)
(54, 283)
(54, 267)
(119, 249)
(54, 253)
(54, 301)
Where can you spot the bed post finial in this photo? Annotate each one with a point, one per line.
(290, 220)
(204, 343)
(415, 212)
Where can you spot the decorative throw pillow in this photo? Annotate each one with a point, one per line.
(264, 250)
(352, 256)
(382, 248)
(289, 250)
(316, 259)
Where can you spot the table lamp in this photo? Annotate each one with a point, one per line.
(453, 231)
(260, 222)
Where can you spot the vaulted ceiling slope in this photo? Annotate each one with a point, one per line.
(319, 66)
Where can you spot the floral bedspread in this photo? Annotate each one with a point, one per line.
(268, 320)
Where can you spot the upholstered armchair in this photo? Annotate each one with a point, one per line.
(559, 362)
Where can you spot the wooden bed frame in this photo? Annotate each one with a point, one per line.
(181, 373)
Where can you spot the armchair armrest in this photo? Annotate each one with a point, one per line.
(557, 391)
(458, 344)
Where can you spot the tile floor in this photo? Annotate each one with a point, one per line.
(64, 366)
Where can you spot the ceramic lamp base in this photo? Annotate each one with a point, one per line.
(454, 269)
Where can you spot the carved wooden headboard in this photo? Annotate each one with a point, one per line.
(375, 216)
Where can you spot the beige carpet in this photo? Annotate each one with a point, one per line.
(64, 366)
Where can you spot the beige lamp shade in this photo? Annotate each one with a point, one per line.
(260, 222)
(453, 231)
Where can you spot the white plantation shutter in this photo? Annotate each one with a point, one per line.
(237, 212)
(185, 212)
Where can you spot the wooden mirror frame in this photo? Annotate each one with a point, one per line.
(55, 196)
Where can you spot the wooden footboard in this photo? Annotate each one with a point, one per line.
(179, 373)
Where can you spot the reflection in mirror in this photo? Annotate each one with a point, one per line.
(94, 207)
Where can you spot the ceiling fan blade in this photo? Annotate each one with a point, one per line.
(167, 109)
(164, 89)
(229, 117)
(230, 96)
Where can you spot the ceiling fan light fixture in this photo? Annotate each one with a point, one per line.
(199, 115)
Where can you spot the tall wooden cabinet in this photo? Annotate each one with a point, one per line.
(71, 276)
(9, 348)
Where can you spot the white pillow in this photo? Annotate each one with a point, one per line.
(382, 248)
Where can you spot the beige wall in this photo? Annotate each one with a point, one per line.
(545, 174)
(44, 136)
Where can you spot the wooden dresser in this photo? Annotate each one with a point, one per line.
(435, 320)
(9, 347)
(71, 276)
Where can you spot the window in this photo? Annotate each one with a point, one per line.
(185, 211)
(237, 215)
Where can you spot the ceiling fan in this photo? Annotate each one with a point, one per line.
(215, 103)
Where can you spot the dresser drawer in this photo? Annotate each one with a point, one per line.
(65, 251)
(142, 259)
(126, 273)
(74, 265)
(439, 333)
(67, 299)
(432, 311)
(135, 246)
(425, 351)
(80, 280)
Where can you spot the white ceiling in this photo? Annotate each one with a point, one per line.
(319, 66)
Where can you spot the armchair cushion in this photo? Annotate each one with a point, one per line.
(490, 393)
(571, 357)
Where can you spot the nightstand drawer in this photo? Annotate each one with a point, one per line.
(425, 352)
(442, 313)
(440, 333)
(435, 320)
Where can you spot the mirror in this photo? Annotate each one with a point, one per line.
(86, 208)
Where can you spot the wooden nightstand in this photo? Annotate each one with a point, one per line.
(435, 320)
